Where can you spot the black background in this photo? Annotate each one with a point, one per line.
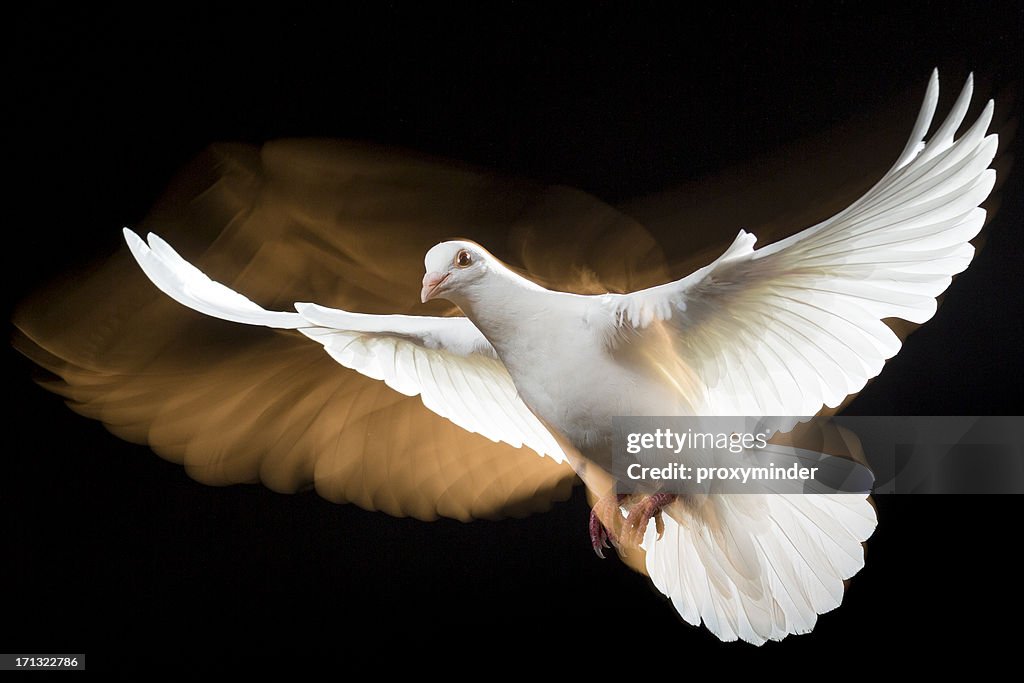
(109, 550)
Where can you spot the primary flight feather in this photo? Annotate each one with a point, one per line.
(785, 329)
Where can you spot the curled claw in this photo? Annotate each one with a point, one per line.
(602, 536)
(643, 512)
(659, 524)
(598, 534)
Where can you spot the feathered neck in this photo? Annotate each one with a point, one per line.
(500, 302)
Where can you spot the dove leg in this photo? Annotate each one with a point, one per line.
(606, 509)
(643, 512)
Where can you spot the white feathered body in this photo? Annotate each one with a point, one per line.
(560, 351)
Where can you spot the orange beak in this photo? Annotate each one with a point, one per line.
(431, 282)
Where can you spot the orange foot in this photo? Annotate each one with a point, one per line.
(643, 512)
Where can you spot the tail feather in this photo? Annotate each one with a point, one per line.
(759, 567)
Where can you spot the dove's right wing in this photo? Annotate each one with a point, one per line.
(798, 324)
(446, 361)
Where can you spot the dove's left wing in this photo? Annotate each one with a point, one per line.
(445, 360)
(788, 328)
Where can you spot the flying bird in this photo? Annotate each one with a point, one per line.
(790, 328)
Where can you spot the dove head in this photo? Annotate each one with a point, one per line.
(453, 268)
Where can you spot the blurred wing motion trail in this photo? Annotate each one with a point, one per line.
(345, 225)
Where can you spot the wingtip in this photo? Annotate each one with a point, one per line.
(134, 242)
(968, 89)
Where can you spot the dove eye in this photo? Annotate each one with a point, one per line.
(463, 258)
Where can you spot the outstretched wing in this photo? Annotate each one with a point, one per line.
(446, 361)
(788, 328)
(344, 224)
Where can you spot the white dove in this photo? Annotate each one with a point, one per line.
(781, 330)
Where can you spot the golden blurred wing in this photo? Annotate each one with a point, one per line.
(345, 225)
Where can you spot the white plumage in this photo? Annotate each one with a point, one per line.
(445, 360)
(780, 330)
